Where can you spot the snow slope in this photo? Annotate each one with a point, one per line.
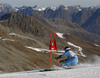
(78, 72)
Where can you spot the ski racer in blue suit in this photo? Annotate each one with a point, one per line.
(71, 60)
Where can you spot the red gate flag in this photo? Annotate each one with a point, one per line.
(53, 46)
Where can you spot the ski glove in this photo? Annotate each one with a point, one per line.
(62, 61)
(58, 57)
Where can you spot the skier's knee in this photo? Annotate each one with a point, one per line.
(63, 64)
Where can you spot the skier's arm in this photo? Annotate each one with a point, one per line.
(63, 55)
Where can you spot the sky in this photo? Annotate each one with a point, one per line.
(48, 3)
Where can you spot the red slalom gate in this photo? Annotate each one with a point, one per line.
(53, 46)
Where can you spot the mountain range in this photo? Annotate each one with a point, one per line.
(30, 27)
(76, 14)
(92, 24)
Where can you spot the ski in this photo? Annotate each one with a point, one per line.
(54, 69)
(44, 70)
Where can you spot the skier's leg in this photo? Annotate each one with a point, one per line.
(72, 61)
(75, 61)
(66, 63)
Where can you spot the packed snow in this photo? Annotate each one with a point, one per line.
(89, 71)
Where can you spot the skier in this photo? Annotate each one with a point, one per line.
(71, 60)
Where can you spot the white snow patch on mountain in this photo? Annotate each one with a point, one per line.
(8, 39)
(52, 7)
(80, 9)
(36, 49)
(16, 9)
(66, 8)
(4, 7)
(5, 39)
(60, 35)
(12, 34)
(37, 7)
(96, 45)
(80, 49)
(45, 50)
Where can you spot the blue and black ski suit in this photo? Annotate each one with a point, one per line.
(71, 60)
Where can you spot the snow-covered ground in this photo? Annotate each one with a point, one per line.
(80, 71)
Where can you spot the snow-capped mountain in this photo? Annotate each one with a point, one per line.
(75, 8)
(23, 7)
(61, 11)
(77, 13)
(69, 8)
(6, 8)
(38, 8)
(52, 8)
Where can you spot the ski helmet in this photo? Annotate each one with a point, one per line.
(67, 48)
